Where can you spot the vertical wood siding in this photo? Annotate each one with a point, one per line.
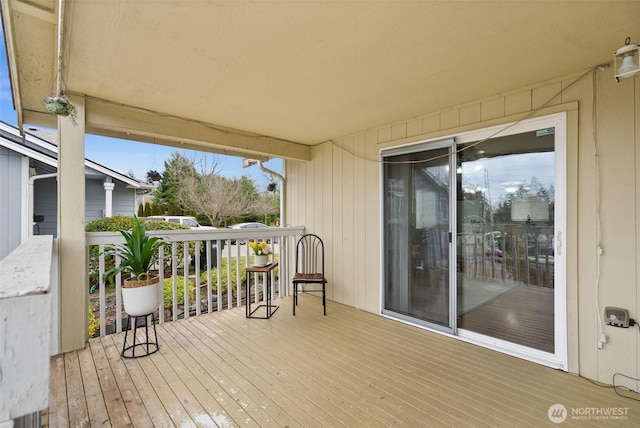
(337, 195)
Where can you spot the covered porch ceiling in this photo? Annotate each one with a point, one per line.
(272, 78)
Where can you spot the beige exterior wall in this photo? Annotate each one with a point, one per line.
(337, 195)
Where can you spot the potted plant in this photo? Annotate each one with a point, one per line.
(261, 253)
(140, 292)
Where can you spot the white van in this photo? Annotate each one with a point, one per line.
(181, 219)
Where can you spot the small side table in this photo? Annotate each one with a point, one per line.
(269, 307)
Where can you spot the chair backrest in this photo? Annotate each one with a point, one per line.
(310, 254)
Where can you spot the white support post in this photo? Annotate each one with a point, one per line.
(108, 197)
(73, 279)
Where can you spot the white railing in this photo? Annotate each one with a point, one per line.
(187, 291)
(26, 322)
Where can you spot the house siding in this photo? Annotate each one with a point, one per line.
(337, 196)
(123, 200)
(46, 203)
(10, 200)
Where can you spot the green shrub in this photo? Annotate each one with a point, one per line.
(224, 273)
(109, 224)
(168, 291)
(94, 321)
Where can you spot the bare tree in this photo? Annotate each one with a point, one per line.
(206, 192)
(266, 204)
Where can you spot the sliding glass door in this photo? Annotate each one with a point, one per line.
(473, 237)
(417, 235)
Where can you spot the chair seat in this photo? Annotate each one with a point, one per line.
(309, 277)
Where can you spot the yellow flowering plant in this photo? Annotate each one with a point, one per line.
(260, 248)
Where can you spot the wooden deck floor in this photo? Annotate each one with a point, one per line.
(350, 368)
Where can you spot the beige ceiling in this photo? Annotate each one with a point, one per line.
(297, 72)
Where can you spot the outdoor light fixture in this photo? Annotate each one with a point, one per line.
(246, 163)
(625, 60)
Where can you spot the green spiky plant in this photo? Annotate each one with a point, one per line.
(138, 254)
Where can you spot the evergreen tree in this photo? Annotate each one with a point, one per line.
(174, 170)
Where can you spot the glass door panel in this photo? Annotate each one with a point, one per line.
(504, 247)
(417, 236)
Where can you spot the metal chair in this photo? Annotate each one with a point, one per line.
(309, 268)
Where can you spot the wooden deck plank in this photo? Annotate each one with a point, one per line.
(130, 397)
(58, 408)
(350, 368)
(113, 399)
(394, 385)
(241, 385)
(155, 409)
(362, 397)
(242, 351)
(391, 383)
(416, 371)
(162, 391)
(76, 401)
(200, 384)
(481, 365)
(225, 383)
(195, 410)
(97, 411)
(294, 368)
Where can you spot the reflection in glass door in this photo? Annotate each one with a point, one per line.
(505, 229)
(417, 236)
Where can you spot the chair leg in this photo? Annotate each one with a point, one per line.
(324, 300)
(295, 297)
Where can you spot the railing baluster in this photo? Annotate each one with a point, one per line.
(118, 296)
(170, 256)
(208, 258)
(161, 291)
(174, 280)
(198, 298)
(102, 298)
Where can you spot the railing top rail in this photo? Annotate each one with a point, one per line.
(106, 238)
(19, 276)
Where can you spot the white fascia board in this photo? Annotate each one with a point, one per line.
(131, 182)
(46, 145)
(48, 160)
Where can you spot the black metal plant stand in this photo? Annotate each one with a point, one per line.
(146, 345)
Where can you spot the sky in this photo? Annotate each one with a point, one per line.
(141, 157)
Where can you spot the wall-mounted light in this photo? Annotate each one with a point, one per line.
(246, 163)
(625, 60)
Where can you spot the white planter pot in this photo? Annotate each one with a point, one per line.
(143, 300)
(262, 260)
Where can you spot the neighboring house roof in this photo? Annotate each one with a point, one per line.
(42, 146)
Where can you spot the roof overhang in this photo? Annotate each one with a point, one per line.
(271, 79)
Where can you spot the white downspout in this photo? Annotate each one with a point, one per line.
(285, 257)
(282, 190)
(30, 204)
